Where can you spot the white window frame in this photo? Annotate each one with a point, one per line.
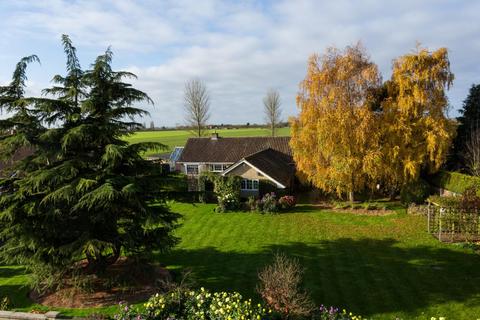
(245, 185)
(215, 167)
(218, 167)
(192, 165)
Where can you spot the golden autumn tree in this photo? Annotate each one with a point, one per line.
(335, 141)
(416, 132)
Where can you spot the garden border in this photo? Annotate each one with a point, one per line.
(13, 315)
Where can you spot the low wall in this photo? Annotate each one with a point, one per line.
(12, 315)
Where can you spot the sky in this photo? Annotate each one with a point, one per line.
(240, 49)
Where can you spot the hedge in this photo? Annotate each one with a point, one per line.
(454, 181)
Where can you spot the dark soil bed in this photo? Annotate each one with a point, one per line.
(129, 285)
(358, 211)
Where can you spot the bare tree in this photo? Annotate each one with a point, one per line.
(197, 105)
(472, 153)
(272, 109)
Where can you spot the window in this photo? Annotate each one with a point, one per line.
(192, 169)
(218, 167)
(248, 184)
(225, 167)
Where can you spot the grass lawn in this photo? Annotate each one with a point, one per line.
(173, 138)
(379, 267)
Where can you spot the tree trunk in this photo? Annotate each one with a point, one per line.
(393, 193)
(350, 197)
(99, 262)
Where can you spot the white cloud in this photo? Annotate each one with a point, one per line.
(240, 49)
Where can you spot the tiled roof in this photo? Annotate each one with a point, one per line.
(230, 150)
(276, 165)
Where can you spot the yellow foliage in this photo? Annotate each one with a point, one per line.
(346, 137)
(334, 140)
(417, 134)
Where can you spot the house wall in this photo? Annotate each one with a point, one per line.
(247, 172)
(202, 167)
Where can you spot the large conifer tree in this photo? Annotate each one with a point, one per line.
(85, 192)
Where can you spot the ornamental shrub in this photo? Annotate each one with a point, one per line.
(280, 287)
(333, 313)
(269, 203)
(287, 202)
(470, 201)
(415, 192)
(446, 202)
(127, 312)
(252, 204)
(227, 190)
(200, 304)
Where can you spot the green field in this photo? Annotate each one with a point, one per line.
(173, 138)
(379, 267)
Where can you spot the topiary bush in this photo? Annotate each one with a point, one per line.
(415, 192)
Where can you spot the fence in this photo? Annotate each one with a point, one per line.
(450, 224)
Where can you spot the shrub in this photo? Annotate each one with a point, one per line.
(280, 288)
(341, 205)
(201, 304)
(227, 202)
(126, 312)
(417, 209)
(333, 313)
(252, 204)
(227, 190)
(371, 206)
(454, 181)
(415, 192)
(446, 202)
(269, 203)
(470, 201)
(287, 202)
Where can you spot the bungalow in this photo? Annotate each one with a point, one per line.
(258, 160)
